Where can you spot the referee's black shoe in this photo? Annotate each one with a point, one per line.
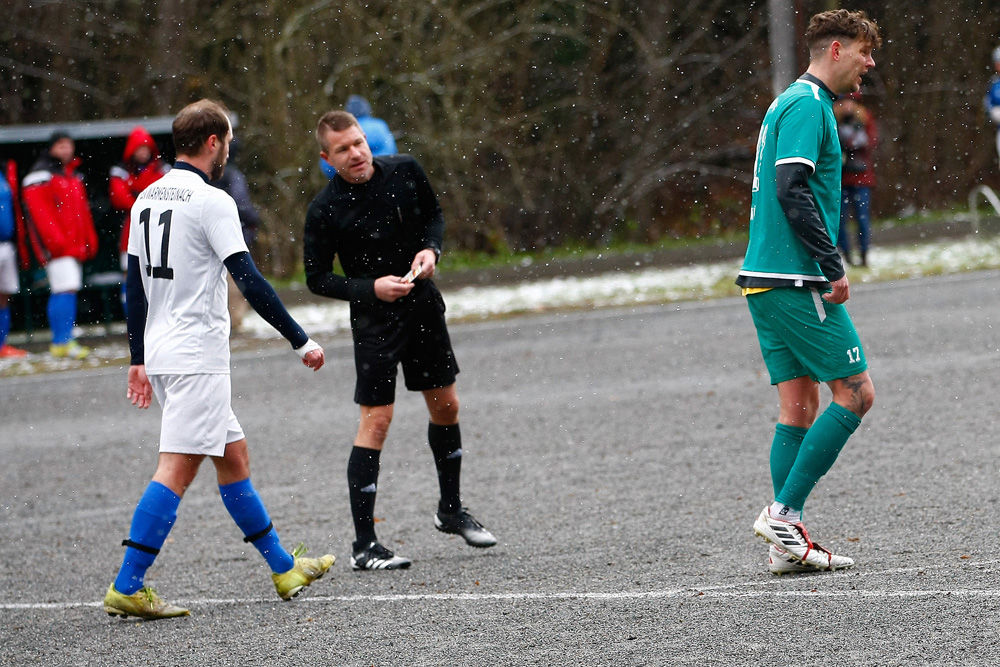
(464, 524)
(376, 557)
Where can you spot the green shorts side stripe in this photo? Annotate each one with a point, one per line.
(801, 334)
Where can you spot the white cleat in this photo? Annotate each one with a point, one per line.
(780, 562)
(793, 539)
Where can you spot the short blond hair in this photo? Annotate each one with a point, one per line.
(334, 121)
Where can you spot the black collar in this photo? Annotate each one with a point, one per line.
(181, 164)
(812, 79)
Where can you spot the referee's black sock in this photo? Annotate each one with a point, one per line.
(446, 443)
(362, 483)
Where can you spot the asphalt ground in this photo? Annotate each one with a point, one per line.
(619, 455)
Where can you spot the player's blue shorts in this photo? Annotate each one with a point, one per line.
(801, 334)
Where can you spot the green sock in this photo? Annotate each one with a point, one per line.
(820, 448)
(784, 451)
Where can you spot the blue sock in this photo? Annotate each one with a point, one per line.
(249, 513)
(154, 516)
(4, 324)
(62, 316)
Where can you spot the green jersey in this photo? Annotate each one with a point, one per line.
(799, 127)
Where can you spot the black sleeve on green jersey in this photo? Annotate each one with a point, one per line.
(262, 297)
(796, 200)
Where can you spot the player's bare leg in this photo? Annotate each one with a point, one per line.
(442, 404)
(855, 393)
(798, 401)
(177, 471)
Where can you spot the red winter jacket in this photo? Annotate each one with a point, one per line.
(129, 178)
(57, 210)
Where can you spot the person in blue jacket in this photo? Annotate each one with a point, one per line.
(992, 100)
(8, 267)
(380, 138)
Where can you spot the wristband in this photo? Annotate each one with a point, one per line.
(307, 348)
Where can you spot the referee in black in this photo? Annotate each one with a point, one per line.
(381, 217)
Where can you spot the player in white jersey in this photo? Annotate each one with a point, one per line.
(184, 236)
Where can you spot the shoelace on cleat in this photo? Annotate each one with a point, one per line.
(463, 517)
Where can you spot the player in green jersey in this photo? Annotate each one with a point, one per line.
(795, 284)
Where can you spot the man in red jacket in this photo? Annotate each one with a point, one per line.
(62, 234)
(141, 166)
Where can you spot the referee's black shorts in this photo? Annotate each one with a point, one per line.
(410, 331)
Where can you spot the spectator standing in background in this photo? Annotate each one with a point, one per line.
(63, 237)
(234, 183)
(141, 166)
(993, 96)
(380, 138)
(858, 141)
(8, 266)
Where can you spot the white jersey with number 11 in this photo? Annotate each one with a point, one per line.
(181, 230)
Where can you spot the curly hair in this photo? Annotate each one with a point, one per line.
(841, 24)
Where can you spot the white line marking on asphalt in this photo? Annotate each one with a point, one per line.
(727, 591)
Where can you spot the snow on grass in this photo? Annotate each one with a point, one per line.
(648, 286)
(619, 288)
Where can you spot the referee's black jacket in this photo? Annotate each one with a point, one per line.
(376, 228)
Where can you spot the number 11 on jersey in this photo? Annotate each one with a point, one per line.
(161, 271)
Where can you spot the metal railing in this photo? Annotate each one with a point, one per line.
(990, 196)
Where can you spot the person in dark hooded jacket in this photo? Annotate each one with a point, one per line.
(234, 183)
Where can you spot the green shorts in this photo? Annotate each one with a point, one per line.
(801, 334)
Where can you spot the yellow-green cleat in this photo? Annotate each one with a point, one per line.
(144, 603)
(70, 350)
(304, 572)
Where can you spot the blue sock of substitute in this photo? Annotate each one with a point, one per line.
(819, 449)
(154, 516)
(249, 513)
(62, 315)
(4, 324)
